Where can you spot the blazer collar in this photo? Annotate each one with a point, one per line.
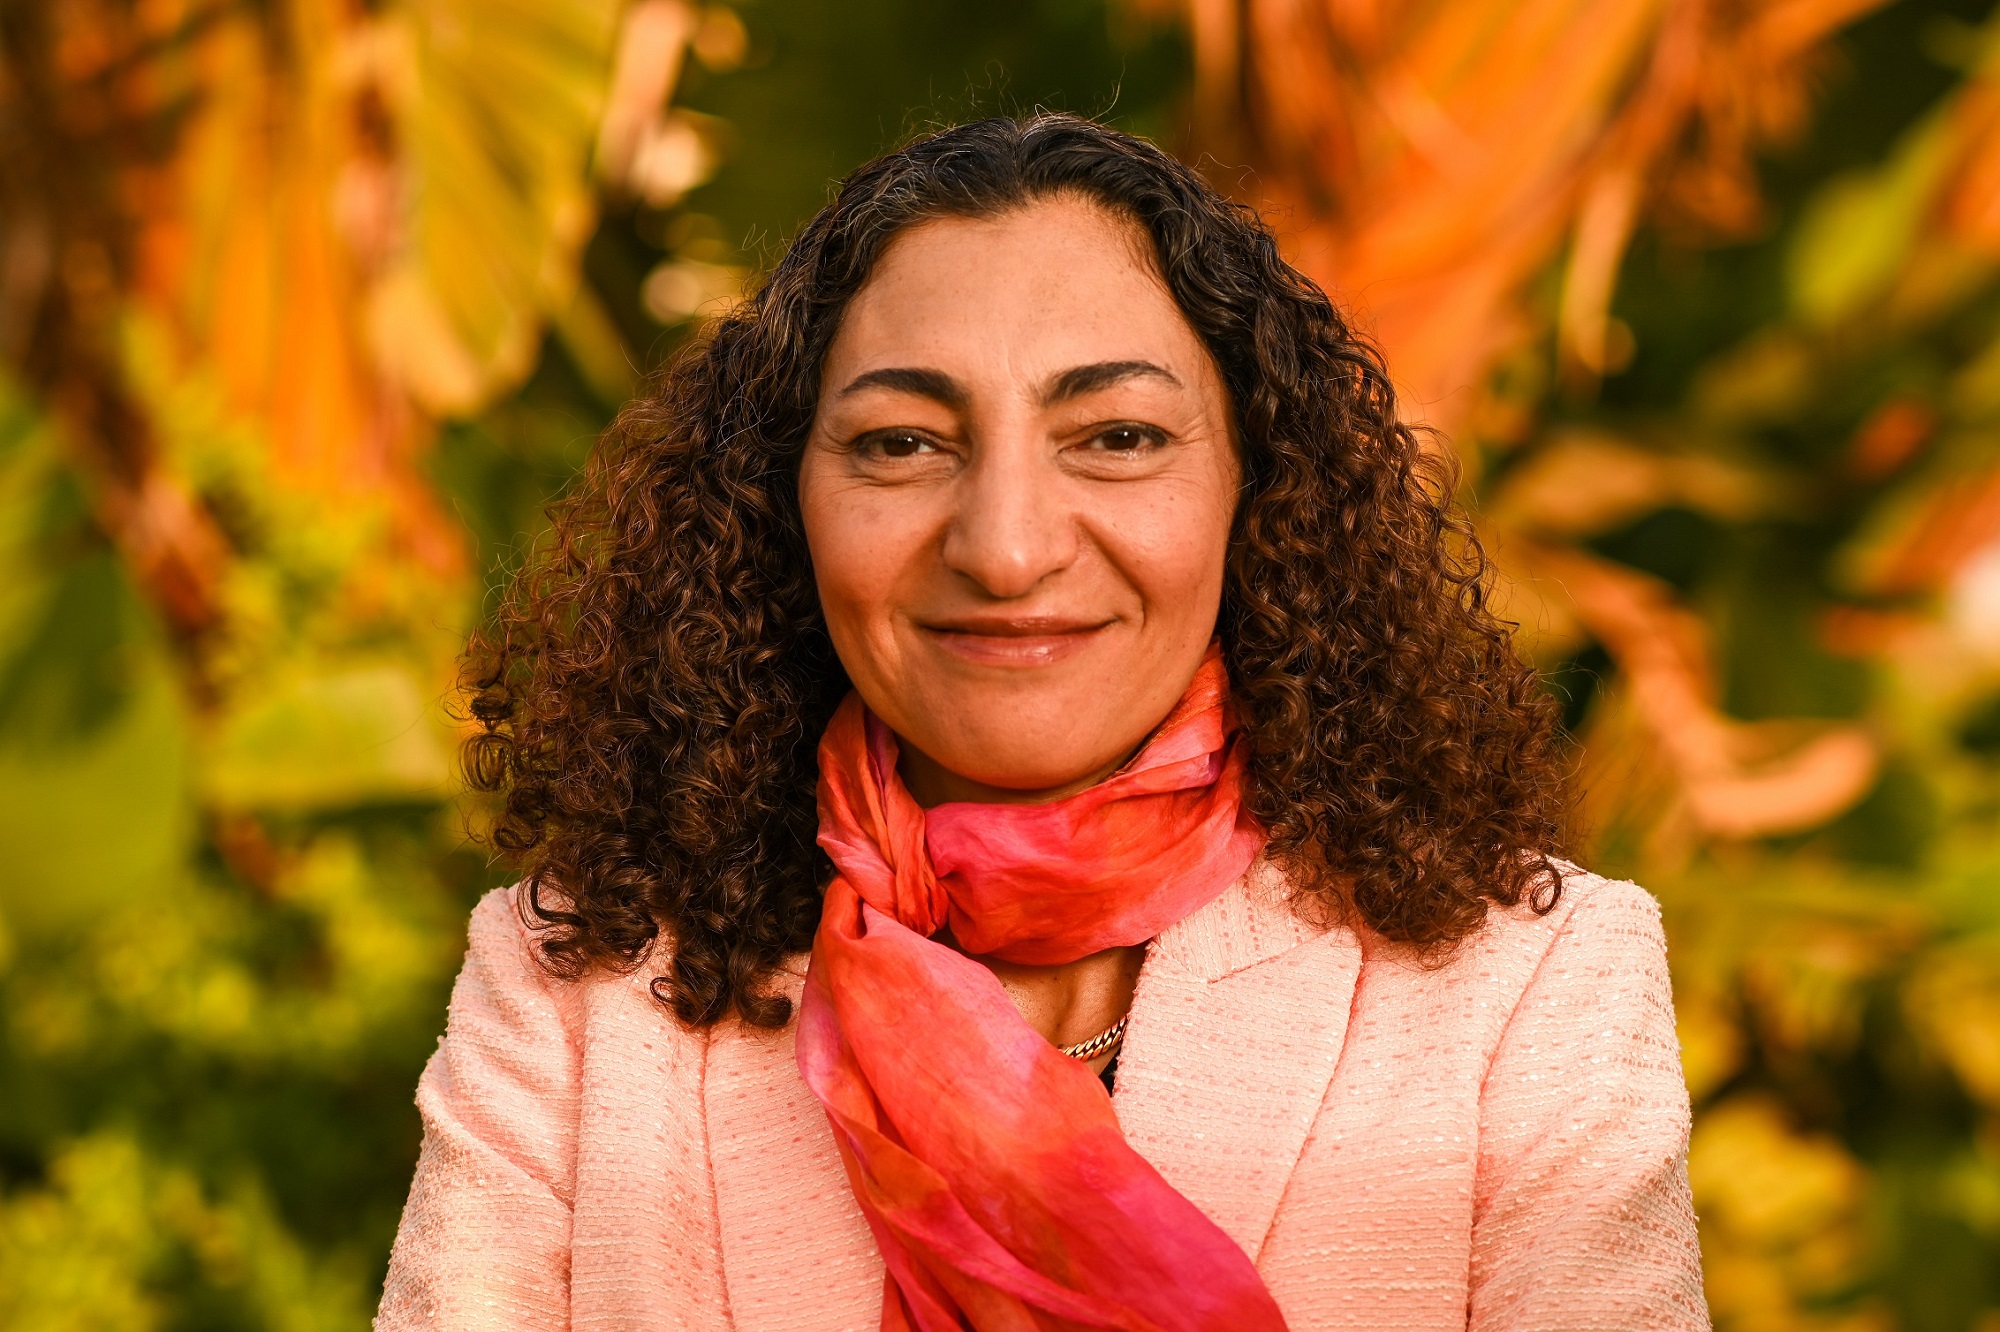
(1238, 1023)
(1250, 923)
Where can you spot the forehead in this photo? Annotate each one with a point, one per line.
(1051, 284)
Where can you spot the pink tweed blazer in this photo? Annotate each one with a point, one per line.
(1496, 1143)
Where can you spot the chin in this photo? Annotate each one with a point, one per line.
(1017, 735)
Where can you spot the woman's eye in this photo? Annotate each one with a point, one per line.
(1127, 438)
(897, 444)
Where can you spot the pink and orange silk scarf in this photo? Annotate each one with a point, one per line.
(989, 1165)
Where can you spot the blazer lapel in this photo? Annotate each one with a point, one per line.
(1237, 1025)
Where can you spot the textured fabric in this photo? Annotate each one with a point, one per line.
(989, 1165)
(1495, 1144)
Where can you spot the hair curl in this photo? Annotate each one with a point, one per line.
(653, 685)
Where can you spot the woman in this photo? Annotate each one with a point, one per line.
(1020, 654)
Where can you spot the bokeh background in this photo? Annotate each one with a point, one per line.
(308, 306)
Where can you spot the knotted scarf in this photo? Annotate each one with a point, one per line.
(988, 1164)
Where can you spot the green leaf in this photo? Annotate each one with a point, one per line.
(99, 820)
(330, 738)
(501, 128)
(1858, 233)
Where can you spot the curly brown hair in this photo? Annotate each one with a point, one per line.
(654, 684)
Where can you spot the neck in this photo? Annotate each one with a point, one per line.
(1074, 1001)
(1069, 1002)
(931, 783)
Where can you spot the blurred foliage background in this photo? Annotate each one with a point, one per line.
(308, 306)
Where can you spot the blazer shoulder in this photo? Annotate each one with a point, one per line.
(504, 962)
(1586, 904)
(1597, 927)
(497, 926)
(1604, 910)
(499, 943)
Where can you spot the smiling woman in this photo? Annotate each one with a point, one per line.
(1021, 644)
(1018, 489)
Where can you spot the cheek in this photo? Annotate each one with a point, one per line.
(1173, 548)
(842, 568)
(859, 555)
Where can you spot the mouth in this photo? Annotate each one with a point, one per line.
(1037, 640)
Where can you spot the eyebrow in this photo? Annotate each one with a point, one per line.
(1082, 379)
(941, 388)
(933, 384)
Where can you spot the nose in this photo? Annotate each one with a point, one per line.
(1013, 526)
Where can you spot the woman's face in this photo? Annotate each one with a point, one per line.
(1017, 494)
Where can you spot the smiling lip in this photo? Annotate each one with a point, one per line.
(1019, 641)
